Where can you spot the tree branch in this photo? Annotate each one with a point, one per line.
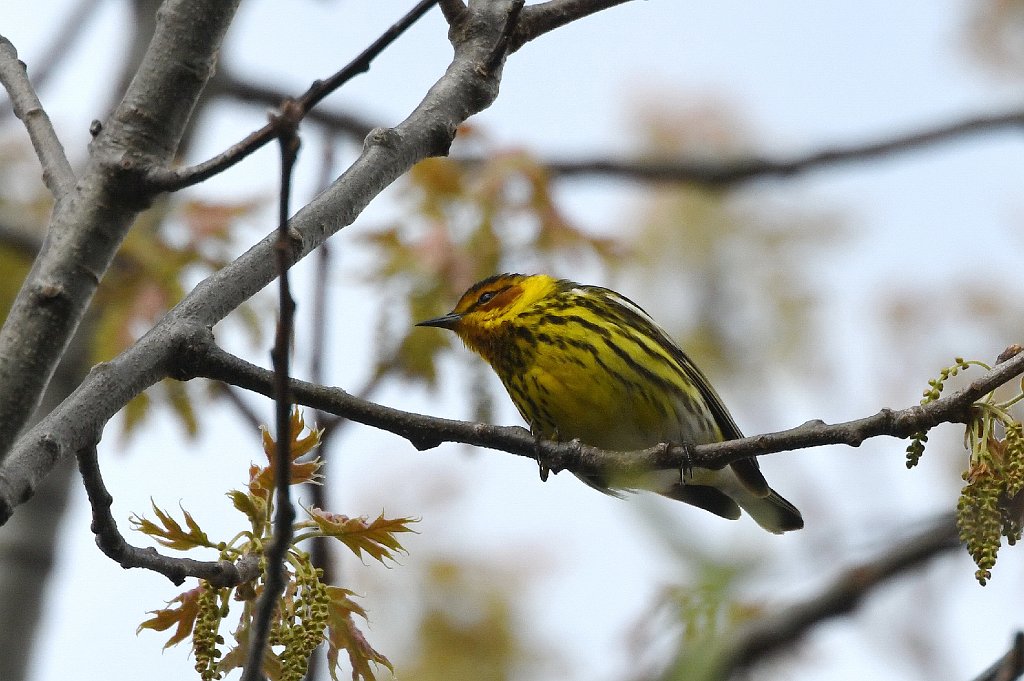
(754, 168)
(425, 432)
(58, 176)
(768, 635)
(161, 179)
(286, 126)
(86, 230)
(112, 543)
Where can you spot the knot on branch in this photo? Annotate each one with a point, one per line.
(226, 574)
(285, 121)
(386, 138)
(132, 185)
(190, 348)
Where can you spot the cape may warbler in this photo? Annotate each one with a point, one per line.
(585, 362)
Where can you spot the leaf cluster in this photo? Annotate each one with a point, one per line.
(309, 612)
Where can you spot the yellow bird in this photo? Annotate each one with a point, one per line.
(586, 362)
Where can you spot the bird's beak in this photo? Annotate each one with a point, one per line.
(448, 321)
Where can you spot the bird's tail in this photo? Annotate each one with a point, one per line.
(772, 512)
(723, 493)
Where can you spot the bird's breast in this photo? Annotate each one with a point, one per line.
(566, 395)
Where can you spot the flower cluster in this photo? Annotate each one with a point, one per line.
(991, 505)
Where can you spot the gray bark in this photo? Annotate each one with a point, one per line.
(90, 221)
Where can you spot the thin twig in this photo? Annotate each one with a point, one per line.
(57, 173)
(425, 432)
(361, 64)
(173, 180)
(112, 543)
(225, 84)
(752, 168)
(286, 126)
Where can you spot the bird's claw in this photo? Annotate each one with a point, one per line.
(686, 470)
(542, 468)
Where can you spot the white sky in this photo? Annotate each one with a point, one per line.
(802, 75)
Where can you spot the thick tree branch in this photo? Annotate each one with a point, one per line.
(87, 228)
(161, 179)
(425, 432)
(771, 634)
(753, 168)
(112, 543)
(58, 176)
(462, 91)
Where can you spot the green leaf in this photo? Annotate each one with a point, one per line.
(255, 508)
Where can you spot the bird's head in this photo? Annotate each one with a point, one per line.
(490, 307)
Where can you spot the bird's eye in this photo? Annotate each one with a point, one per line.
(485, 297)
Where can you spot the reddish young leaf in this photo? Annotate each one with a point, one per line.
(171, 534)
(343, 634)
(376, 538)
(184, 617)
(261, 480)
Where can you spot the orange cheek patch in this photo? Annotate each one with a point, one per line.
(503, 299)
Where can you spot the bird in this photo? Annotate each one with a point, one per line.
(586, 363)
